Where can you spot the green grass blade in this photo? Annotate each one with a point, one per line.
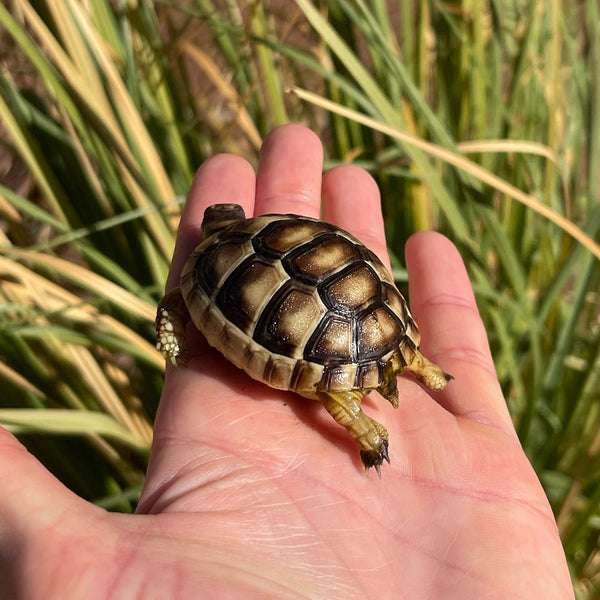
(69, 422)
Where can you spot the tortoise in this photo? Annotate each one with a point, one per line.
(300, 305)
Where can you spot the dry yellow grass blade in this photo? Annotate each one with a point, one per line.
(29, 154)
(97, 103)
(508, 146)
(460, 162)
(242, 117)
(28, 289)
(129, 115)
(50, 297)
(86, 164)
(44, 297)
(88, 280)
(9, 213)
(162, 236)
(92, 374)
(76, 47)
(19, 381)
(100, 105)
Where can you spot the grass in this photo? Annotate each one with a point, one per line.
(476, 119)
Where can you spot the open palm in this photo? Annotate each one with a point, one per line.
(256, 493)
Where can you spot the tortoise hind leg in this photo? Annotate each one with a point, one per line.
(429, 373)
(371, 436)
(388, 388)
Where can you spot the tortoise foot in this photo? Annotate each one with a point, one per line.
(171, 318)
(429, 373)
(375, 457)
(371, 436)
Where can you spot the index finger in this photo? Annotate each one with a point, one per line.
(453, 334)
(222, 179)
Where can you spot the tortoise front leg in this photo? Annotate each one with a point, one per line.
(371, 436)
(172, 317)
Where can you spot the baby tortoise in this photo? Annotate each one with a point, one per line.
(300, 305)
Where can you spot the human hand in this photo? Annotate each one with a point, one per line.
(256, 493)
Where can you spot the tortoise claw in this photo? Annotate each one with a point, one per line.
(428, 373)
(375, 457)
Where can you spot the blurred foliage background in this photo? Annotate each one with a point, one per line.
(108, 107)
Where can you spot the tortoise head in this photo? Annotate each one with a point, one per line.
(219, 216)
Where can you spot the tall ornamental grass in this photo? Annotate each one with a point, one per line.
(480, 120)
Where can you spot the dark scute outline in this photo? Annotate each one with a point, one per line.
(258, 241)
(203, 272)
(263, 333)
(393, 342)
(260, 245)
(333, 278)
(288, 259)
(310, 350)
(228, 299)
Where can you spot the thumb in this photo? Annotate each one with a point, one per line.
(31, 498)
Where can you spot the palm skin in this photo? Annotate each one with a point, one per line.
(256, 493)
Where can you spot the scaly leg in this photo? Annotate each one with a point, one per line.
(389, 388)
(427, 372)
(171, 318)
(371, 436)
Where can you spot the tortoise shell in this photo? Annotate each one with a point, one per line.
(297, 303)
(301, 305)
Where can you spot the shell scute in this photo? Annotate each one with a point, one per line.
(244, 294)
(218, 261)
(398, 306)
(281, 236)
(378, 332)
(352, 289)
(252, 226)
(288, 320)
(369, 374)
(370, 257)
(332, 341)
(337, 378)
(314, 261)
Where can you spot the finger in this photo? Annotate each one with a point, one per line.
(32, 500)
(453, 334)
(289, 172)
(351, 200)
(224, 178)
